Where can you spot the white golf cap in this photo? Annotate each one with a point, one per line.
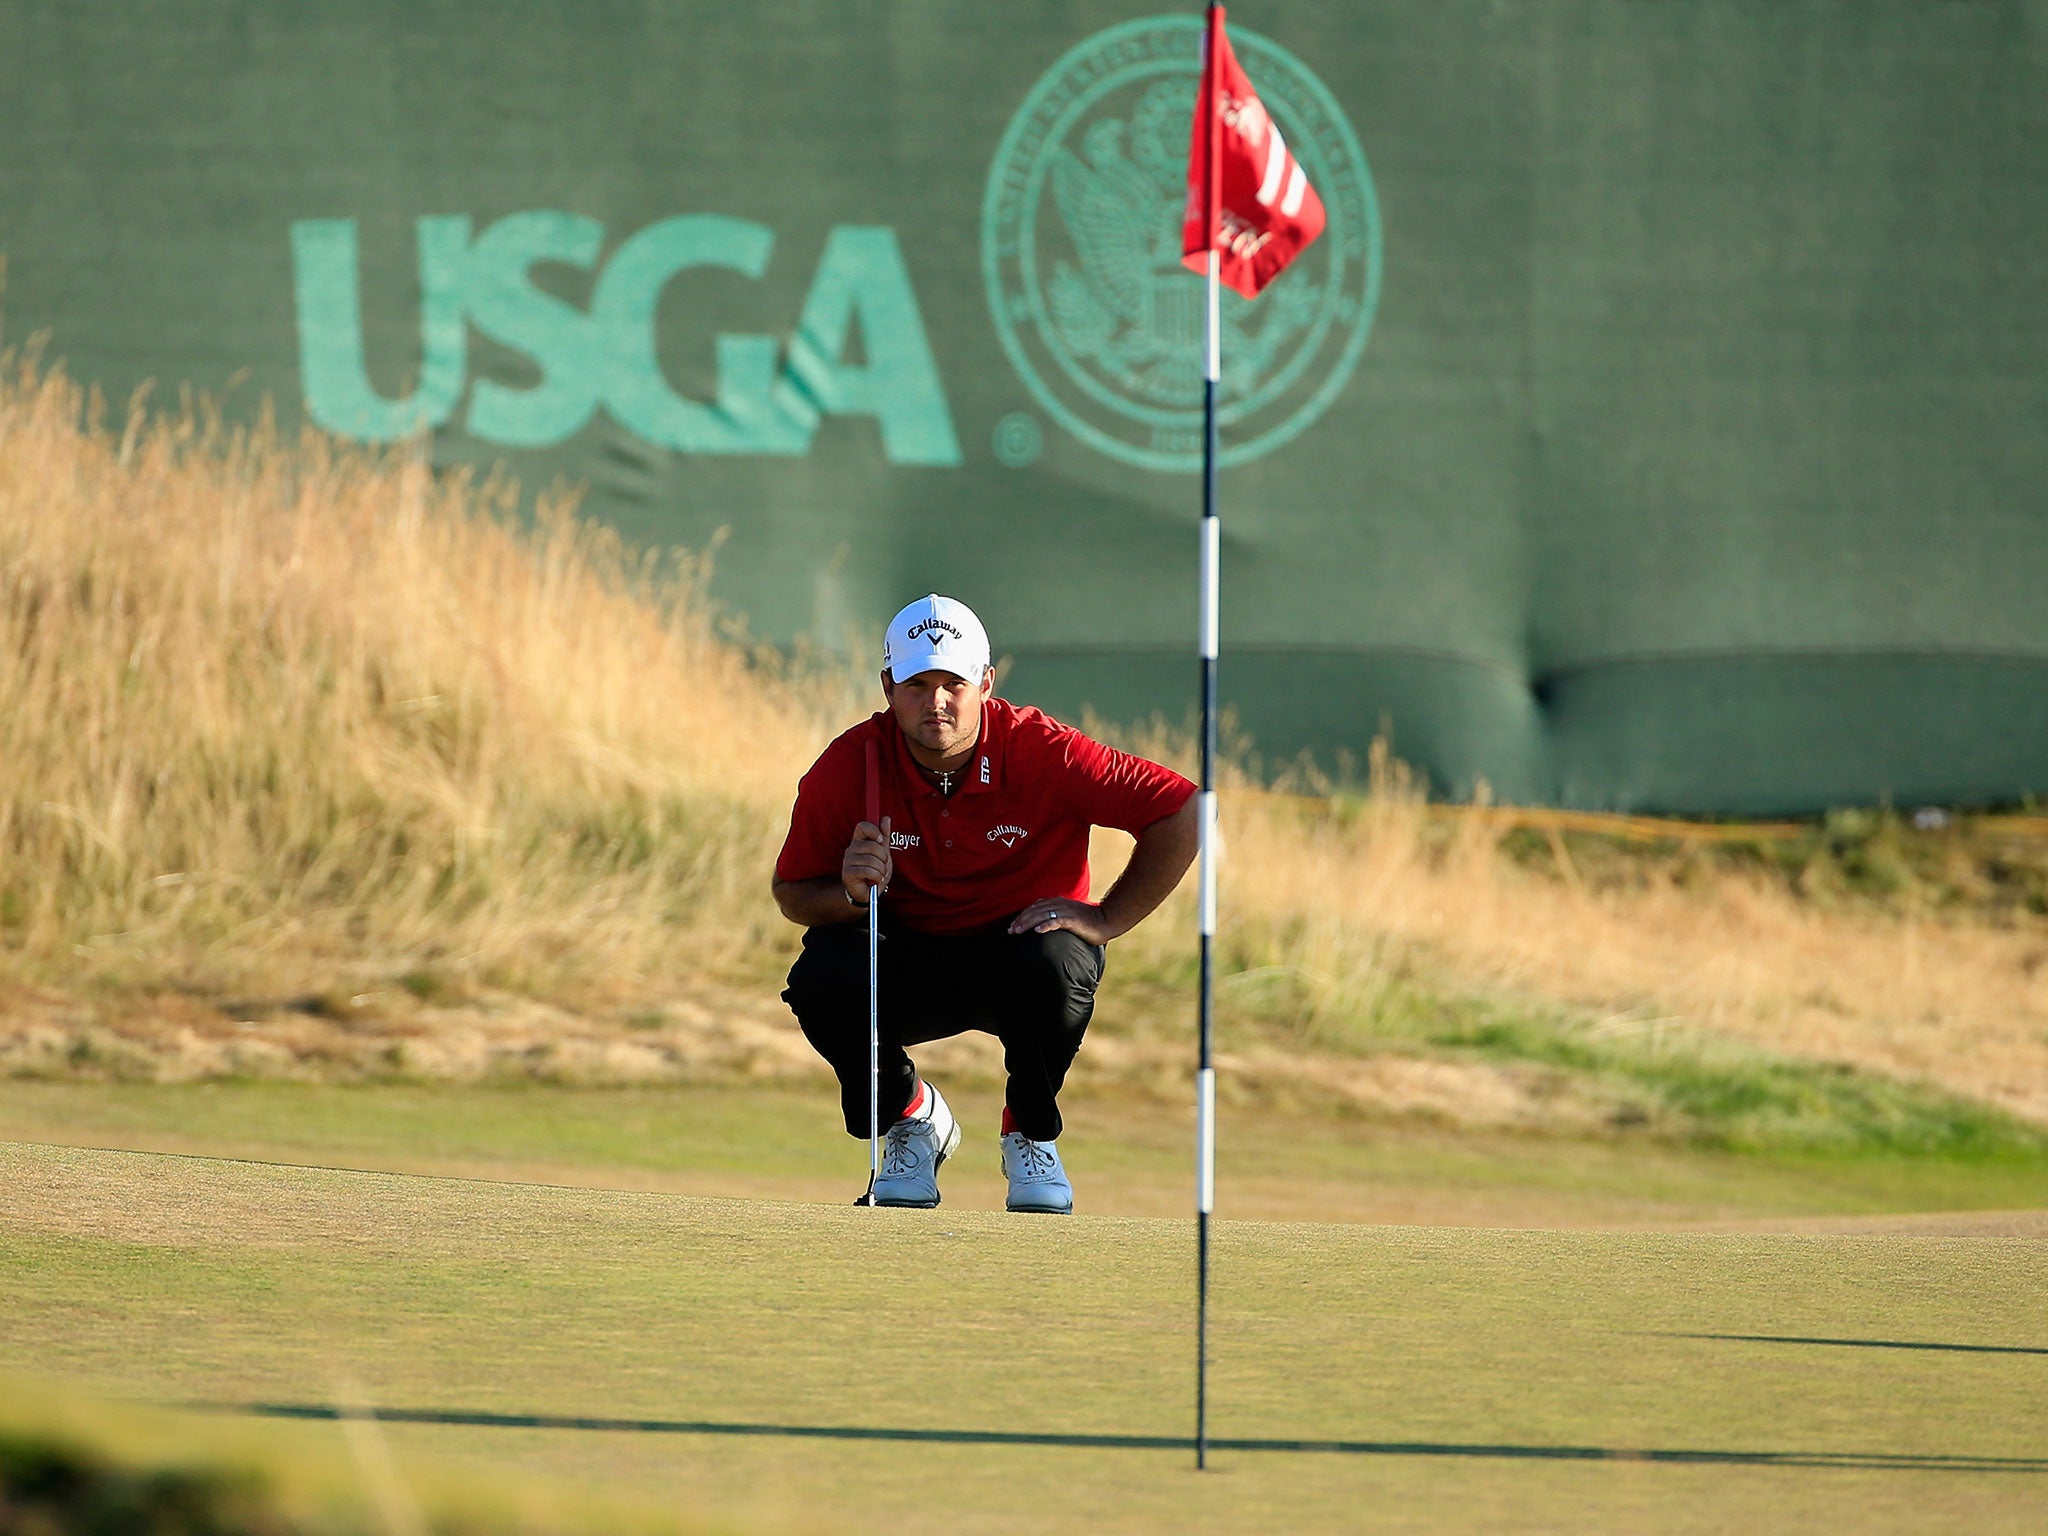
(935, 634)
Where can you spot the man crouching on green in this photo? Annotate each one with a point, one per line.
(982, 851)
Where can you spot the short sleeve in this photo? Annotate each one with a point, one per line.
(822, 820)
(1120, 789)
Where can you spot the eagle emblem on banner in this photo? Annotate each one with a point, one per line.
(1127, 305)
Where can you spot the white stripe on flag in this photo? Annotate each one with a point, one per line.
(1276, 166)
(1205, 1140)
(1297, 189)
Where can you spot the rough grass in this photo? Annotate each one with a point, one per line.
(1376, 922)
(321, 763)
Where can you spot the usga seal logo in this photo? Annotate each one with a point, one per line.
(1080, 252)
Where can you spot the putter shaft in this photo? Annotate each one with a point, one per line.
(874, 1039)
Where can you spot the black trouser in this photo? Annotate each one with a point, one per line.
(1032, 991)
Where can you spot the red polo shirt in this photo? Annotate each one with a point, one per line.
(1015, 830)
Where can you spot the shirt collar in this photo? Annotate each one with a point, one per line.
(978, 774)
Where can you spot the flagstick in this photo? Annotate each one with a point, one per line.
(1205, 1077)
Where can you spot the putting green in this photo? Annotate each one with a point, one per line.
(786, 1366)
(1130, 1157)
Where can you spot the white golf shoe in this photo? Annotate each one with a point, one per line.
(912, 1151)
(1037, 1181)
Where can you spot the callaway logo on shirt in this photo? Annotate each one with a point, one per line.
(1013, 831)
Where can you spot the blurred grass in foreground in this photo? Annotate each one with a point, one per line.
(297, 730)
(72, 1464)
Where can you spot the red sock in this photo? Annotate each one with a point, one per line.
(916, 1101)
(1009, 1120)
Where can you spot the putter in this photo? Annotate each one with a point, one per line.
(874, 809)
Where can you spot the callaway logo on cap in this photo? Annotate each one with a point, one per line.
(935, 634)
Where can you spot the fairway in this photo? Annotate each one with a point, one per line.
(782, 1366)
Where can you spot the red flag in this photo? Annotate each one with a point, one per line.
(1248, 197)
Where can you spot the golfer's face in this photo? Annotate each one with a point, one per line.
(937, 710)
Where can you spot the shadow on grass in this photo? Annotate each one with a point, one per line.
(1866, 1461)
(1783, 1338)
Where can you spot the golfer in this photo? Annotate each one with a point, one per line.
(981, 856)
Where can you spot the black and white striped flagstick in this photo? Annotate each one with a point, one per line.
(1212, 543)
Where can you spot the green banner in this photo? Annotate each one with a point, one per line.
(1657, 425)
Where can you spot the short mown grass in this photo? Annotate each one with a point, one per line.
(780, 1367)
(1129, 1156)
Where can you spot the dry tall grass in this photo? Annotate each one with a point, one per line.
(283, 717)
(277, 712)
(1356, 911)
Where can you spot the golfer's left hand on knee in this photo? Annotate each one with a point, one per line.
(1082, 919)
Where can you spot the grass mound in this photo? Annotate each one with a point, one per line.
(286, 715)
(311, 742)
